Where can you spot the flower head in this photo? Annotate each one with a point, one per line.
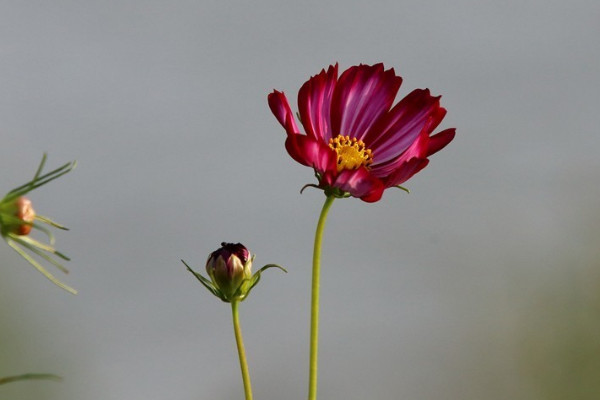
(356, 140)
(18, 219)
(230, 272)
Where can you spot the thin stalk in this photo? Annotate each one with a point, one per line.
(241, 351)
(314, 308)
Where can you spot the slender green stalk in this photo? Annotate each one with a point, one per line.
(314, 308)
(241, 350)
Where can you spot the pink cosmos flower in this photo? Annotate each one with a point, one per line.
(357, 143)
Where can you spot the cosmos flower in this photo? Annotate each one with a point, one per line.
(355, 140)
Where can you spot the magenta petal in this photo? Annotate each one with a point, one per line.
(310, 152)
(282, 111)
(405, 171)
(314, 102)
(362, 95)
(374, 195)
(359, 183)
(440, 140)
(418, 149)
(397, 130)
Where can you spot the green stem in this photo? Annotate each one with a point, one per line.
(241, 350)
(314, 308)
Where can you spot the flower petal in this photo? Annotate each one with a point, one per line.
(415, 157)
(398, 129)
(362, 95)
(314, 102)
(282, 111)
(418, 149)
(405, 171)
(359, 183)
(310, 152)
(440, 140)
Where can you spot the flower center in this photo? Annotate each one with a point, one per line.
(351, 153)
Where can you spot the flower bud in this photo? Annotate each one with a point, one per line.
(25, 215)
(230, 269)
(17, 220)
(230, 272)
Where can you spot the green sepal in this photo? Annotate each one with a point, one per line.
(336, 192)
(16, 241)
(402, 188)
(309, 185)
(256, 277)
(48, 221)
(38, 180)
(39, 248)
(241, 293)
(270, 266)
(205, 282)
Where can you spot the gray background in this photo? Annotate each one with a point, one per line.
(483, 283)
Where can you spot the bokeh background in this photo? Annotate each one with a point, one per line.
(483, 283)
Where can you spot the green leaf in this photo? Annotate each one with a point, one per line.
(9, 379)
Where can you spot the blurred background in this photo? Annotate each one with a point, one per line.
(483, 283)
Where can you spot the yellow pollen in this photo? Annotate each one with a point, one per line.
(351, 153)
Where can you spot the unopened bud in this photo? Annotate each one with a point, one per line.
(22, 210)
(229, 268)
(17, 219)
(230, 272)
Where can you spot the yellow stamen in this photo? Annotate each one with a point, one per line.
(351, 153)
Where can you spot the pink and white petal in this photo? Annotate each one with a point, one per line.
(362, 95)
(281, 109)
(359, 183)
(398, 129)
(440, 140)
(314, 103)
(405, 171)
(311, 152)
